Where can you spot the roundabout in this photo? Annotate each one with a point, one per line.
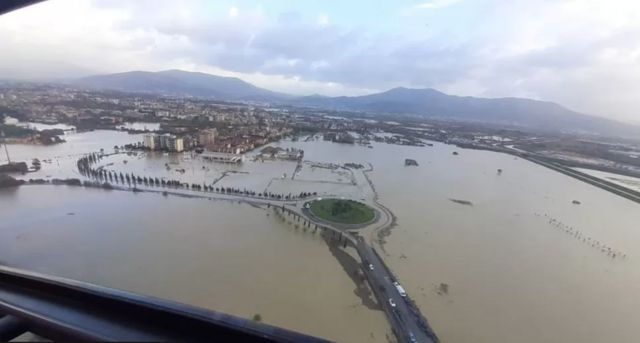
(341, 211)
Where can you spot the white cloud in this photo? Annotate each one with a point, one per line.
(233, 12)
(583, 54)
(323, 20)
(433, 4)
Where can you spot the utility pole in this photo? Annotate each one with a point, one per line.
(4, 141)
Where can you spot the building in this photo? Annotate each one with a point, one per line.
(207, 137)
(178, 145)
(151, 141)
(164, 142)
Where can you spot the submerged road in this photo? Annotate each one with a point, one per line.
(406, 321)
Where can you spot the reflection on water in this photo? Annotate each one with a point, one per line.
(511, 276)
(226, 256)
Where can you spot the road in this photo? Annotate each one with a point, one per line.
(406, 321)
(405, 318)
(606, 185)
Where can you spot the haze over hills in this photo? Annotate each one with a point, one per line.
(423, 102)
(178, 82)
(505, 111)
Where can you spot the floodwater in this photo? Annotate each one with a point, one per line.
(512, 276)
(42, 126)
(521, 262)
(143, 126)
(221, 255)
(622, 180)
(59, 160)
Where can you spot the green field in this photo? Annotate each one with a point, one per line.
(342, 211)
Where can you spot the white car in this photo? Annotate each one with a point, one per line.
(400, 289)
(370, 266)
(392, 303)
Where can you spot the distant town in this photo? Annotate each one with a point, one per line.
(193, 124)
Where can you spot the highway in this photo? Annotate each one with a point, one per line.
(606, 185)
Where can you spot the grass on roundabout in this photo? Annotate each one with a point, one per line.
(342, 211)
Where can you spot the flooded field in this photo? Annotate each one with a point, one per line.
(512, 276)
(622, 180)
(522, 255)
(231, 257)
(59, 160)
(139, 126)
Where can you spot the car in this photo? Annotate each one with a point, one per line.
(370, 266)
(392, 303)
(412, 338)
(400, 289)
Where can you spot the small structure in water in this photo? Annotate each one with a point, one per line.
(14, 167)
(410, 162)
(462, 202)
(455, 153)
(443, 288)
(576, 202)
(499, 171)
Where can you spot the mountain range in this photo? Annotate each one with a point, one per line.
(178, 82)
(422, 102)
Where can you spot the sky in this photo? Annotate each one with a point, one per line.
(582, 54)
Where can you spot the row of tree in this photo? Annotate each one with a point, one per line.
(86, 163)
